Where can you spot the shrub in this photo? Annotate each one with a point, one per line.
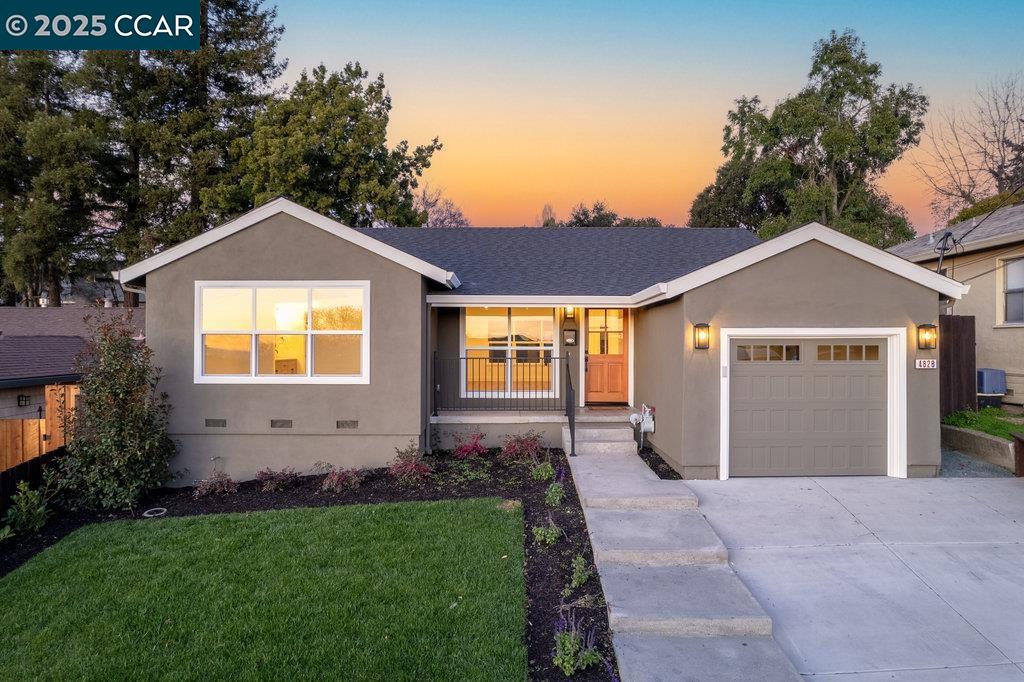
(547, 535)
(217, 484)
(543, 472)
(338, 480)
(574, 651)
(408, 466)
(271, 480)
(118, 445)
(554, 494)
(28, 512)
(521, 447)
(6, 533)
(469, 445)
(581, 572)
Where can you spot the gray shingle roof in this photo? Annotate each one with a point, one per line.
(1004, 225)
(63, 321)
(24, 359)
(556, 261)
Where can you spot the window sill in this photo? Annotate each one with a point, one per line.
(1009, 325)
(281, 380)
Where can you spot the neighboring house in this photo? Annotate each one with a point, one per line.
(38, 347)
(287, 338)
(991, 260)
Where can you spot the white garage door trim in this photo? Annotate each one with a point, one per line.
(896, 382)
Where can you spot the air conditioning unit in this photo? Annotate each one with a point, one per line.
(991, 387)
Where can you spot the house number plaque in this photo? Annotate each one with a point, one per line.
(926, 363)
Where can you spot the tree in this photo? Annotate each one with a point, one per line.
(119, 447)
(818, 155)
(215, 96)
(441, 211)
(49, 208)
(325, 147)
(649, 221)
(599, 215)
(547, 216)
(973, 154)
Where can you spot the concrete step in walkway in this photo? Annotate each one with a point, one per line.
(600, 439)
(695, 601)
(676, 608)
(666, 658)
(653, 537)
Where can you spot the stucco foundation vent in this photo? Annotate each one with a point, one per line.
(216, 423)
(280, 423)
(347, 424)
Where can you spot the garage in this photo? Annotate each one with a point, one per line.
(811, 406)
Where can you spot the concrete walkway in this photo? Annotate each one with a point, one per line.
(880, 578)
(676, 609)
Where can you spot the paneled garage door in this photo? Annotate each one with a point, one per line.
(803, 407)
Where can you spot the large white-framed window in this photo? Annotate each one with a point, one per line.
(282, 332)
(508, 352)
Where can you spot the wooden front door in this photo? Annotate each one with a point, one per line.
(607, 359)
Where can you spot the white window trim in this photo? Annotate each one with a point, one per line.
(197, 334)
(1002, 274)
(896, 383)
(509, 394)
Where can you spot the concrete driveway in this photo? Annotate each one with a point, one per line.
(881, 578)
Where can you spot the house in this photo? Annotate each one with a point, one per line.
(287, 338)
(39, 347)
(991, 259)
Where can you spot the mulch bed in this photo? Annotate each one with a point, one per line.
(659, 466)
(548, 569)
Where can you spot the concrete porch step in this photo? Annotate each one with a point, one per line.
(724, 659)
(626, 482)
(653, 537)
(602, 448)
(585, 433)
(691, 601)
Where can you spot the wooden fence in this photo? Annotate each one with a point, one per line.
(23, 440)
(958, 376)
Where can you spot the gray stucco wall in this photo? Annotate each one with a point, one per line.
(389, 410)
(812, 285)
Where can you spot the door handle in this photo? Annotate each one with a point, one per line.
(586, 362)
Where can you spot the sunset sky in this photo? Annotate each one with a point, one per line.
(560, 102)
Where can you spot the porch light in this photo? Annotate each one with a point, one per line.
(702, 336)
(570, 312)
(927, 336)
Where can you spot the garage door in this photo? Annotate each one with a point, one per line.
(803, 407)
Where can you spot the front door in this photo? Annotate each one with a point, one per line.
(607, 358)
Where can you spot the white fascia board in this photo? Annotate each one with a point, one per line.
(454, 301)
(837, 240)
(291, 208)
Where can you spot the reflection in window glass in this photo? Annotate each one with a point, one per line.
(839, 353)
(281, 354)
(226, 354)
(871, 353)
(824, 353)
(338, 309)
(226, 309)
(792, 353)
(775, 354)
(281, 309)
(759, 353)
(337, 354)
(486, 370)
(743, 353)
(510, 349)
(855, 353)
(486, 327)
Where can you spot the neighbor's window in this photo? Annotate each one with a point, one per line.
(509, 350)
(283, 332)
(1014, 303)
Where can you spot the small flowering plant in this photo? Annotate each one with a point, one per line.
(523, 447)
(271, 480)
(408, 466)
(219, 483)
(469, 445)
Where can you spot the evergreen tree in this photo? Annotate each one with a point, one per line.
(325, 147)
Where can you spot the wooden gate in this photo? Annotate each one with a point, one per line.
(22, 440)
(958, 375)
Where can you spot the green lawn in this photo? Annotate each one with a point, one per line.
(990, 420)
(422, 590)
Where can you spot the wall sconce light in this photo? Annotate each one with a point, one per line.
(702, 336)
(23, 400)
(570, 312)
(927, 336)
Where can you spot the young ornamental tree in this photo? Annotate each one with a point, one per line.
(119, 448)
